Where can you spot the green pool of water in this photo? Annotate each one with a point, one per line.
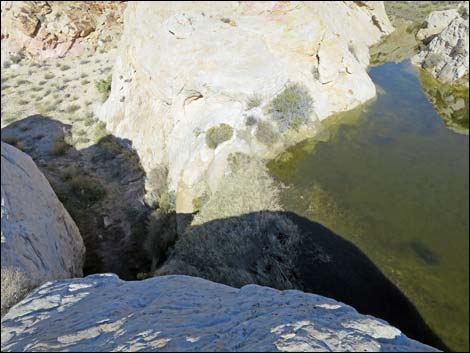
(392, 178)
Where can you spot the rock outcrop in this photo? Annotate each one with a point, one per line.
(436, 23)
(40, 242)
(186, 67)
(44, 29)
(447, 54)
(180, 313)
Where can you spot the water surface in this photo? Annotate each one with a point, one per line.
(393, 179)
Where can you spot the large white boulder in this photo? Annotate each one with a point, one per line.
(40, 241)
(446, 56)
(437, 21)
(184, 67)
(180, 313)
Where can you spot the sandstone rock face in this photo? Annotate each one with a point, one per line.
(185, 67)
(447, 55)
(180, 313)
(39, 239)
(44, 29)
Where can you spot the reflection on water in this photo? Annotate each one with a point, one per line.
(450, 102)
(393, 179)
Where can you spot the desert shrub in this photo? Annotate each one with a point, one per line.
(90, 119)
(65, 68)
(85, 82)
(200, 201)
(49, 76)
(100, 132)
(23, 102)
(6, 64)
(60, 146)
(22, 82)
(250, 121)
(247, 188)
(292, 107)
(72, 108)
(265, 133)
(253, 248)
(15, 286)
(254, 101)
(167, 202)
(37, 88)
(156, 185)
(104, 86)
(15, 59)
(86, 189)
(218, 134)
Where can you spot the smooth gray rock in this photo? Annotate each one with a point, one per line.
(40, 241)
(181, 313)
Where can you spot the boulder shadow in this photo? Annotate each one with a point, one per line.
(323, 263)
(101, 186)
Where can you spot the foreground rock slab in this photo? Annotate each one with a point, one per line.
(180, 313)
(40, 241)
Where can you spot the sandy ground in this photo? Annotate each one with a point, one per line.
(62, 89)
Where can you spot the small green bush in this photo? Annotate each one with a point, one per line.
(15, 59)
(87, 189)
(156, 185)
(265, 133)
(250, 121)
(104, 86)
(23, 82)
(72, 108)
(218, 134)
(65, 67)
(292, 107)
(254, 101)
(60, 146)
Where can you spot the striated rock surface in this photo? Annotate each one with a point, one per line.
(447, 54)
(40, 242)
(186, 67)
(180, 313)
(44, 29)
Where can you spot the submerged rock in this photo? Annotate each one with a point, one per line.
(186, 67)
(447, 54)
(180, 313)
(40, 241)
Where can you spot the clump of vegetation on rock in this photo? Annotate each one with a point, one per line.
(60, 146)
(292, 107)
(254, 101)
(218, 134)
(104, 86)
(265, 133)
(15, 286)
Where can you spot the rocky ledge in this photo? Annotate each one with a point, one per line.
(181, 313)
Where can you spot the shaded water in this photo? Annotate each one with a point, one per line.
(393, 179)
